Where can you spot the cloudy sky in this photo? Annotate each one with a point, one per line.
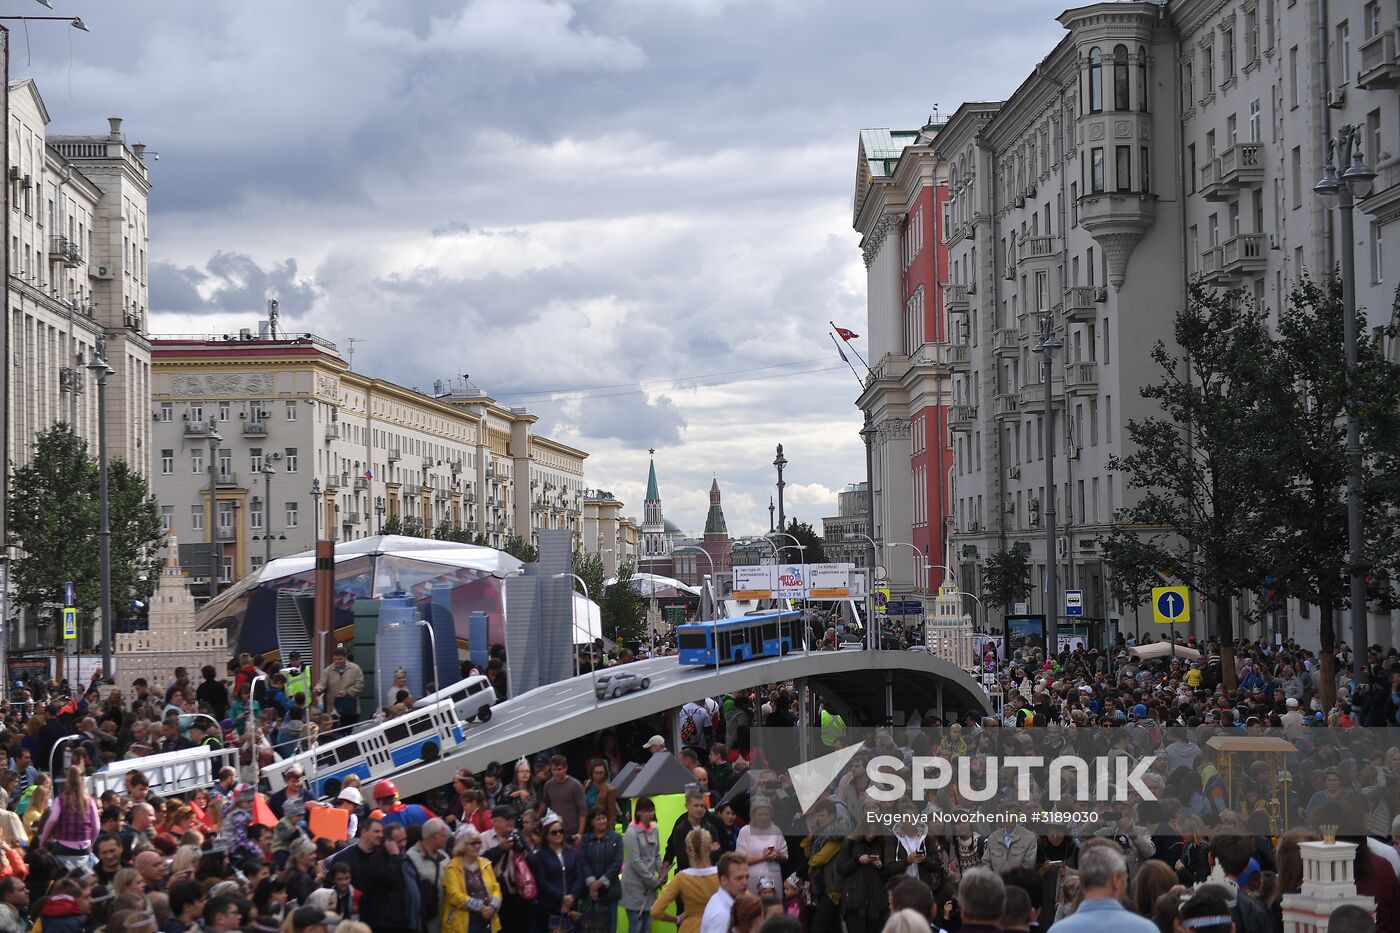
(631, 216)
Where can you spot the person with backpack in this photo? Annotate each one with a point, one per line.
(695, 726)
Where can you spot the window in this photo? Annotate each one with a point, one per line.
(1123, 168)
(197, 517)
(1373, 134)
(226, 570)
(1191, 169)
(1146, 159)
(1121, 98)
(292, 515)
(1213, 227)
(1293, 77)
(1096, 169)
(1231, 131)
(167, 461)
(1227, 53)
(290, 457)
(1343, 53)
(223, 411)
(167, 518)
(225, 462)
(196, 412)
(255, 459)
(1074, 204)
(255, 514)
(197, 461)
(1297, 177)
(1254, 118)
(1251, 37)
(1095, 80)
(167, 411)
(1208, 69)
(1376, 264)
(1188, 97)
(1142, 78)
(291, 410)
(1373, 19)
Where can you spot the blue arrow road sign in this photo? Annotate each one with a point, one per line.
(1170, 605)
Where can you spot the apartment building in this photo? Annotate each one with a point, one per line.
(296, 445)
(900, 193)
(852, 518)
(1153, 144)
(607, 532)
(78, 275)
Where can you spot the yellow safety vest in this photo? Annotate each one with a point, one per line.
(833, 728)
(300, 682)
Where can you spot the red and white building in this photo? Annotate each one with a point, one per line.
(900, 194)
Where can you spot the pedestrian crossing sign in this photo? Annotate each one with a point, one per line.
(70, 623)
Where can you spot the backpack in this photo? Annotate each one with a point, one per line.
(690, 732)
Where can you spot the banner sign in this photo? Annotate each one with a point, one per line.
(751, 582)
(829, 581)
(792, 582)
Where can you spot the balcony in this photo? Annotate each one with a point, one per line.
(1213, 266)
(963, 417)
(333, 431)
(229, 478)
(1005, 342)
(352, 518)
(254, 429)
(1385, 192)
(1244, 254)
(361, 483)
(1379, 66)
(1082, 378)
(333, 483)
(1006, 405)
(394, 455)
(65, 251)
(1028, 327)
(225, 534)
(1117, 221)
(956, 299)
(1082, 303)
(1039, 253)
(960, 357)
(441, 495)
(1237, 168)
(413, 490)
(1032, 397)
(196, 428)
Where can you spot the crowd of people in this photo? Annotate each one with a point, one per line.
(547, 844)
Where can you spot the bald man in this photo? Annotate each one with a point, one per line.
(151, 866)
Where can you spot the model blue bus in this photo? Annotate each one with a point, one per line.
(726, 641)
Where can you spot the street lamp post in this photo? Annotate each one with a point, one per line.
(870, 642)
(267, 472)
(315, 511)
(216, 562)
(780, 462)
(1046, 347)
(1355, 182)
(379, 514)
(101, 370)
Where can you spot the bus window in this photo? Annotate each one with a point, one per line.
(348, 752)
(396, 733)
(461, 695)
(325, 760)
(475, 687)
(692, 640)
(421, 724)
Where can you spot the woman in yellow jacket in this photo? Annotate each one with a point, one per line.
(471, 896)
(694, 885)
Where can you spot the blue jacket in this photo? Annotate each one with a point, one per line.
(602, 861)
(555, 882)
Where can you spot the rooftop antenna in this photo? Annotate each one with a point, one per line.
(272, 317)
(350, 350)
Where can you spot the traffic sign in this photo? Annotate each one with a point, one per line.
(882, 598)
(1171, 605)
(882, 572)
(70, 624)
(1074, 602)
(68, 594)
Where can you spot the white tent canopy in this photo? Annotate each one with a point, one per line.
(588, 620)
(644, 584)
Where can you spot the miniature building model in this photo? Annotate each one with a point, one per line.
(171, 640)
(1328, 883)
(948, 631)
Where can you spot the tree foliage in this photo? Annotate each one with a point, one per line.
(813, 551)
(53, 515)
(1006, 578)
(521, 549)
(624, 612)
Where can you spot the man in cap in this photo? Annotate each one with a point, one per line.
(656, 745)
(407, 815)
(350, 800)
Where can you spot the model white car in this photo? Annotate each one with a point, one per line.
(616, 683)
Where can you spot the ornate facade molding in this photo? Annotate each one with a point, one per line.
(222, 385)
(893, 220)
(893, 429)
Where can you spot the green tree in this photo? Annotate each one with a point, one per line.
(410, 526)
(624, 612)
(1305, 511)
(1129, 583)
(521, 549)
(56, 521)
(812, 553)
(1199, 469)
(1006, 578)
(137, 556)
(589, 568)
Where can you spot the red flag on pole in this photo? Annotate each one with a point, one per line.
(845, 334)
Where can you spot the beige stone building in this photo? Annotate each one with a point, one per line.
(305, 446)
(607, 532)
(1154, 143)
